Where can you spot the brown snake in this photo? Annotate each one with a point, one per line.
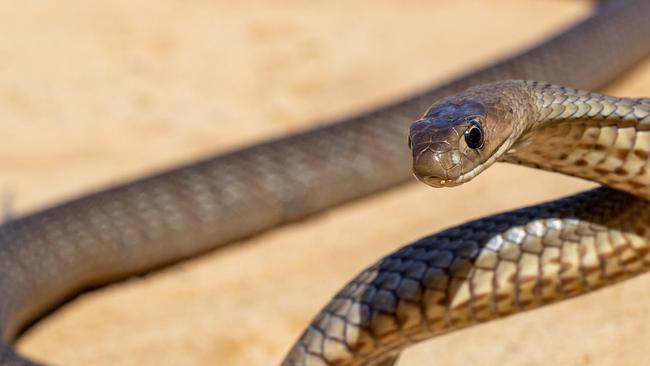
(496, 266)
(50, 255)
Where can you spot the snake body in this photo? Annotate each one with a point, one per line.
(500, 265)
(479, 271)
(50, 255)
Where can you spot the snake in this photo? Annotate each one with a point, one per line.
(138, 226)
(512, 262)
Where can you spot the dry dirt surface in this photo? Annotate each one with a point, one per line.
(92, 93)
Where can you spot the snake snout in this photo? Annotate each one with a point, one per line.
(434, 147)
(437, 168)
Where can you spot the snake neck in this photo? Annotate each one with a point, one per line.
(587, 135)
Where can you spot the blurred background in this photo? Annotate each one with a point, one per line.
(93, 93)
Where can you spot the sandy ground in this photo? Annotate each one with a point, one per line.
(94, 92)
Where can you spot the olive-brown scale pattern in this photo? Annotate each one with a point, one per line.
(587, 135)
(482, 270)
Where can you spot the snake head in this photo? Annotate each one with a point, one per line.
(459, 137)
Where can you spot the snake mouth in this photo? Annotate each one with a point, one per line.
(437, 182)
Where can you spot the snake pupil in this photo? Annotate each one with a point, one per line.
(474, 136)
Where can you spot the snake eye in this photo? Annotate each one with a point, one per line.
(474, 135)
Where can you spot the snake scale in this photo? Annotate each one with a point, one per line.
(50, 255)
